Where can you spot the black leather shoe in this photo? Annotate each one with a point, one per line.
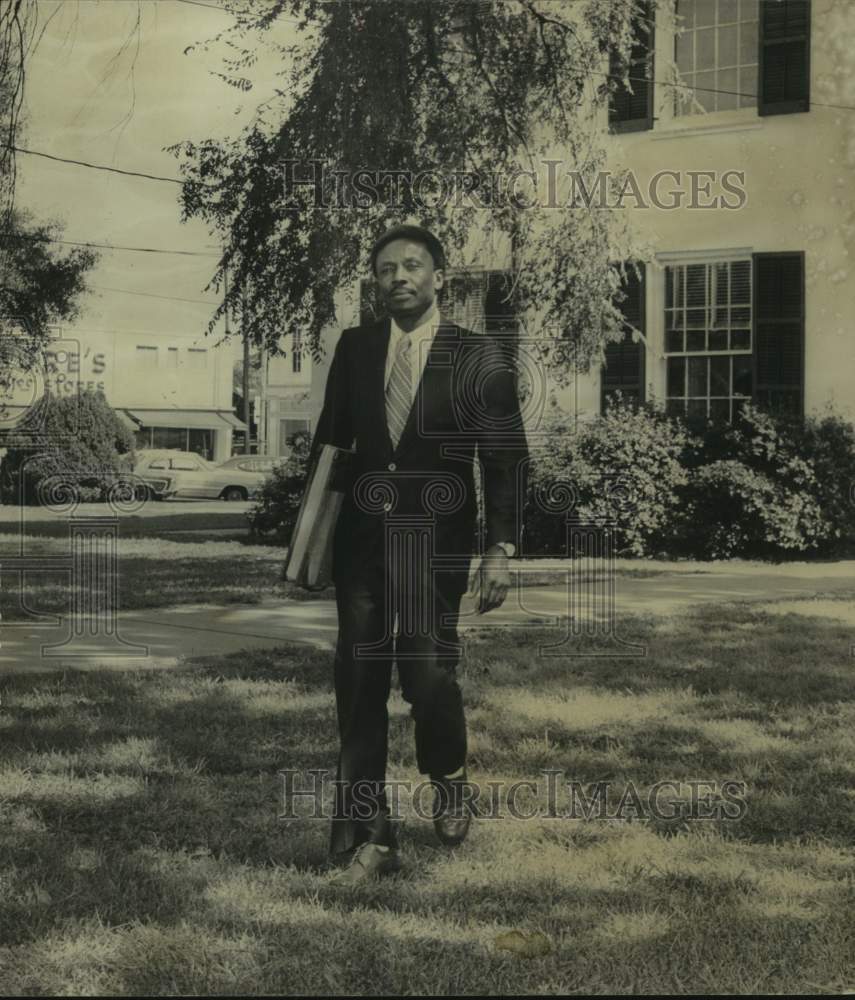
(368, 862)
(451, 813)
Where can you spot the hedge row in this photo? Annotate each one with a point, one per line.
(762, 487)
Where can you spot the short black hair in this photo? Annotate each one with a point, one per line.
(415, 233)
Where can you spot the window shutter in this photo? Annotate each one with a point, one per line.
(779, 332)
(784, 77)
(633, 112)
(624, 368)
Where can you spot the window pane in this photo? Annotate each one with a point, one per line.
(674, 319)
(718, 340)
(705, 90)
(674, 341)
(170, 437)
(686, 11)
(675, 407)
(704, 12)
(722, 274)
(740, 340)
(696, 276)
(705, 49)
(697, 376)
(748, 87)
(202, 442)
(685, 49)
(740, 315)
(696, 409)
(696, 340)
(727, 86)
(748, 10)
(676, 385)
(720, 410)
(727, 38)
(740, 282)
(728, 10)
(742, 376)
(720, 376)
(748, 43)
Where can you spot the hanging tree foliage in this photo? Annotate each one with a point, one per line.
(40, 285)
(437, 88)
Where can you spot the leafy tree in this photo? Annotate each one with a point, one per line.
(39, 285)
(439, 88)
(40, 288)
(75, 445)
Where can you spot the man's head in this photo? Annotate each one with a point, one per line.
(408, 263)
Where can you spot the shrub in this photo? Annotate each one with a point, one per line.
(737, 510)
(757, 491)
(274, 512)
(81, 450)
(625, 468)
(828, 443)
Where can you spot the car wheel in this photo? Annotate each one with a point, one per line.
(234, 493)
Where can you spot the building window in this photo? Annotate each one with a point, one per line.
(201, 440)
(287, 427)
(624, 368)
(142, 438)
(197, 357)
(170, 437)
(296, 360)
(146, 356)
(717, 54)
(172, 357)
(631, 107)
(708, 342)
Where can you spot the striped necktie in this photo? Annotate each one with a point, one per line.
(399, 390)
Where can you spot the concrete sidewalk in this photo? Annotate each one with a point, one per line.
(162, 637)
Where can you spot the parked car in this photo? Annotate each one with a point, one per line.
(251, 463)
(189, 475)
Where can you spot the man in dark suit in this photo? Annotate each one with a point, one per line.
(417, 398)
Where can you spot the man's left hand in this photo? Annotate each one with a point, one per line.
(491, 580)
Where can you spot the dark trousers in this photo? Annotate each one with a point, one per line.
(427, 652)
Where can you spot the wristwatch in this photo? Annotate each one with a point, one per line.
(507, 547)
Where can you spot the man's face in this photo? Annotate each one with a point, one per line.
(406, 277)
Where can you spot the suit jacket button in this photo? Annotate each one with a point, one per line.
(392, 466)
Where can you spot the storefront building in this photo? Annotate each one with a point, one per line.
(172, 391)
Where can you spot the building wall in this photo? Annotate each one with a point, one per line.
(142, 372)
(799, 183)
(799, 195)
(287, 402)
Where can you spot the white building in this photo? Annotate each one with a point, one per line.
(753, 299)
(287, 403)
(173, 391)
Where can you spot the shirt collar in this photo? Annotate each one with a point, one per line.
(425, 330)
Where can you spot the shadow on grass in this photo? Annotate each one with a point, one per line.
(144, 853)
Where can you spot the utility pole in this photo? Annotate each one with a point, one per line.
(245, 334)
(227, 332)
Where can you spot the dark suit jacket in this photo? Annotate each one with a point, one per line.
(466, 400)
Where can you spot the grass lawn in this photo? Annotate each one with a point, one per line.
(143, 851)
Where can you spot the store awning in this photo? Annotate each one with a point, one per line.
(214, 420)
(127, 420)
(232, 420)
